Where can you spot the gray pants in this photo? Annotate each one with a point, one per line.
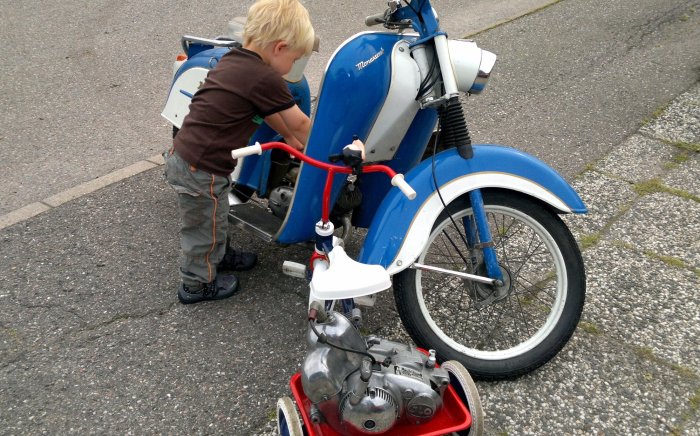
(203, 201)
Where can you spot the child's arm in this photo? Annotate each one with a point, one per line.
(292, 124)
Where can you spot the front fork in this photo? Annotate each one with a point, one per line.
(323, 246)
(479, 236)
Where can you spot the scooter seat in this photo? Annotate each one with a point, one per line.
(347, 278)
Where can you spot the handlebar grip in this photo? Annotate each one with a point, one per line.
(375, 19)
(400, 183)
(247, 151)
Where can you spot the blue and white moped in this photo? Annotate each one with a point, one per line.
(484, 272)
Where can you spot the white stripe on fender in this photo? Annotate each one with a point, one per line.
(419, 231)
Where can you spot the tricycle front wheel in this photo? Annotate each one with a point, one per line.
(496, 332)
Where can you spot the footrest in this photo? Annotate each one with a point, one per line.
(255, 219)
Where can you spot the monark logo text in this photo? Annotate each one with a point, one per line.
(361, 65)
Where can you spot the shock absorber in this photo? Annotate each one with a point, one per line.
(453, 128)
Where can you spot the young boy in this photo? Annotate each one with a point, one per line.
(244, 86)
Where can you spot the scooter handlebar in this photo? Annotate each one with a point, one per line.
(375, 19)
(400, 183)
(247, 151)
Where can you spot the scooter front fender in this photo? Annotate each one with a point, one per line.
(401, 227)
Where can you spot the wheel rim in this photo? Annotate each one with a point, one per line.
(288, 423)
(466, 389)
(514, 324)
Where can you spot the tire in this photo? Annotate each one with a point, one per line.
(522, 325)
(464, 385)
(288, 422)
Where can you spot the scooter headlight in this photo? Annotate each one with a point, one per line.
(472, 66)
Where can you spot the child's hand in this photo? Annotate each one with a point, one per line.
(294, 142)
(358, 146)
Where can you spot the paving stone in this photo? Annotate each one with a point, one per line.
(644, 303)
(664, 224)
(604, 197)
(594, 392)
(680, 121)
(637, 159)
(686, 176)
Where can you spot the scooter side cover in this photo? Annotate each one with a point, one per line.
(401, 227)
(353, 91)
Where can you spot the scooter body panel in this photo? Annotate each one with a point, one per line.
(352, 96)
(401, 227)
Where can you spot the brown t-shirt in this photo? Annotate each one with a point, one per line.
(224, 110)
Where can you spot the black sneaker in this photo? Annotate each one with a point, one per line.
(236, 260)
(222, 287)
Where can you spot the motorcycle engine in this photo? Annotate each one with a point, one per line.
(279, 201)
(353, 394)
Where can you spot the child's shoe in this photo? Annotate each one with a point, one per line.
(236, 260)
(222, 287)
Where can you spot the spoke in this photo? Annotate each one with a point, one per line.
(521, 317)
(527, 256)
(533, 239)
(522, 311)
(500, 315)
(503, 234)
(534, 290)
(536, 296)
(451, 256)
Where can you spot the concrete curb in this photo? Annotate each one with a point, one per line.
(34, 209)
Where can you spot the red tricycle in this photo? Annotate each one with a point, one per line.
(353, 384)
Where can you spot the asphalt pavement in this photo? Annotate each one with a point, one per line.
(88, 82)
(93, 340)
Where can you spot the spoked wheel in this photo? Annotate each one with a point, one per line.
(288, 422)
(504, 331)
(463, 383)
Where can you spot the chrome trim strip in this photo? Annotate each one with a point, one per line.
(188, 39)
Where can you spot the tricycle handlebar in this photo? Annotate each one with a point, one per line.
(400, 183)
(247, 151)
(396, 179)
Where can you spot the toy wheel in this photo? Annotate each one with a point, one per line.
(288, 422)
(464, 385)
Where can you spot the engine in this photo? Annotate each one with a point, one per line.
(367, 385)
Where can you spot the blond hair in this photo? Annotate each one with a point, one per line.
(279, 20)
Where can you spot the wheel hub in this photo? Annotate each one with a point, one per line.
(484, 294)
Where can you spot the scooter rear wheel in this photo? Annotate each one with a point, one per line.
(496, 332)
(288, 422)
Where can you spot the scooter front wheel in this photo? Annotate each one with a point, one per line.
(496, 332)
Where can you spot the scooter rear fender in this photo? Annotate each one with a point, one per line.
(401, 227)
(188, 78)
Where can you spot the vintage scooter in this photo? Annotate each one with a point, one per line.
(484, 271)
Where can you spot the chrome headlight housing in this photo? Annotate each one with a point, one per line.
(472, 66)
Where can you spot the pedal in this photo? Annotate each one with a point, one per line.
(294, 269)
